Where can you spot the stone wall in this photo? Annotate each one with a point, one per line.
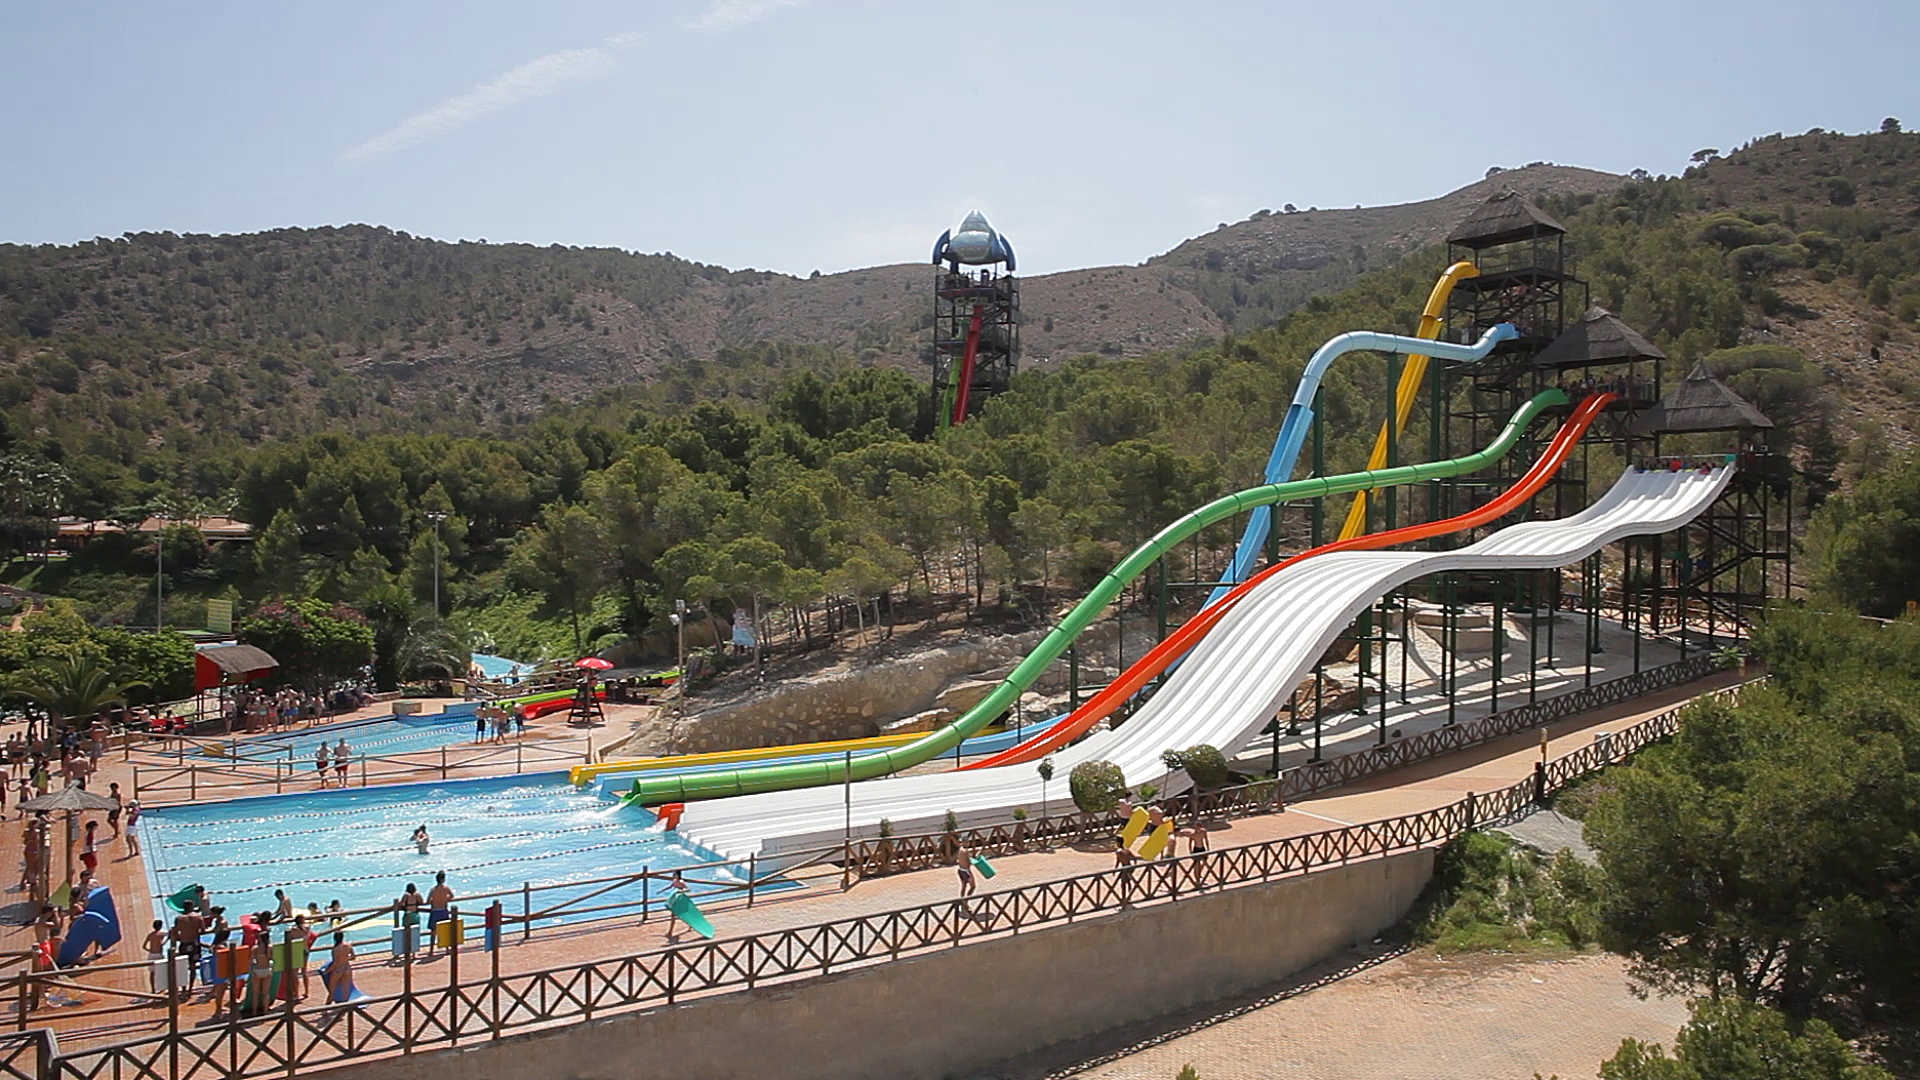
(845, 704)
(960, 1010)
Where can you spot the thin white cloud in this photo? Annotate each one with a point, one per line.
(538, 77)
(722, 15)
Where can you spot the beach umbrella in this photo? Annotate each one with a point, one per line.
(74, 801)
(593, 663)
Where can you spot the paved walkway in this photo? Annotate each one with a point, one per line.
(1411, 1016)
(1416, 788)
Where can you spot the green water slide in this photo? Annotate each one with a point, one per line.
(749, 780)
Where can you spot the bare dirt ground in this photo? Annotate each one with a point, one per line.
(1386, 1013)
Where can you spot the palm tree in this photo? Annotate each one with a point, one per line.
(75, 685)
(434, 648)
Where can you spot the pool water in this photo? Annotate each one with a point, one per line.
(354, 846)
(498, 667)
(383, 736)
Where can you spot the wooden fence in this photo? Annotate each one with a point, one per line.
(894, 854)
(497, 1005)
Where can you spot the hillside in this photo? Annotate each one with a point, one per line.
(1258, 270)
(343, 397)
(267, 334)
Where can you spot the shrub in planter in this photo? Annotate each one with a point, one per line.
(1206, 766)
(1097, 786)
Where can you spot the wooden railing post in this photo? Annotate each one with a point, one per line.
(406, 986)
(493, 978)
(454, 1001)
(173, 1018)
(287, 993)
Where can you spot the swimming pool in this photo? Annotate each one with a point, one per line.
(498, 667)
(353, 846)
(380, 736)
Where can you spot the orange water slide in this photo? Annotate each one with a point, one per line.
(1163, 655)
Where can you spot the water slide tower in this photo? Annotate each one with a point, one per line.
(976, 318)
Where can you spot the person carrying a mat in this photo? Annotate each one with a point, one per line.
(964, 866)
(676, 885)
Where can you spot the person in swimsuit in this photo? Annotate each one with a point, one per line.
(1197, 847)
(340, 969)
(439, 906)
(119, 805)
(964, 866)
(341, 755)
(421, 840)
(409, 907)
(186, 940)
(90, 848)
(284, 911)
(675, 885)
(320, 764)
(1123, 860)
(157, 941)
(222, 930)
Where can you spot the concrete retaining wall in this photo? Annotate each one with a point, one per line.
(959, 1010)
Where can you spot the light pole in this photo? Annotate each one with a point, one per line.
(679, 618)
(436, 516)
(160, 571)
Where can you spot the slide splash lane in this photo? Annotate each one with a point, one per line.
(1228, 688)
(653, 790)
(1163, 655)
(1293, 430)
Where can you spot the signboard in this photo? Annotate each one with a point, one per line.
(220, 616)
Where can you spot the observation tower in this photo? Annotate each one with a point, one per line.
(976, 318)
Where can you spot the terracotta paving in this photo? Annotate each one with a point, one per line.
(1410, 790)
(1416, 1016)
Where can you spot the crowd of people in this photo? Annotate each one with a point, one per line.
(267, 710)
(202, 928)
(493, 723)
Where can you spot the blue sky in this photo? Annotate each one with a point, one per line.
(802, 134)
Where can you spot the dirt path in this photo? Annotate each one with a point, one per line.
(1391, 1015)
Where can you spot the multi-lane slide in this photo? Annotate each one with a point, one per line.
(1230, 685)
(1299, 418)
(1163, 655)
(683, 787)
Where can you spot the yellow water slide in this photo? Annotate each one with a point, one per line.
(581, 774)
(1431, 320)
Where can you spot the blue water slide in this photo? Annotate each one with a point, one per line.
(98, 926)
(1293, 430)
